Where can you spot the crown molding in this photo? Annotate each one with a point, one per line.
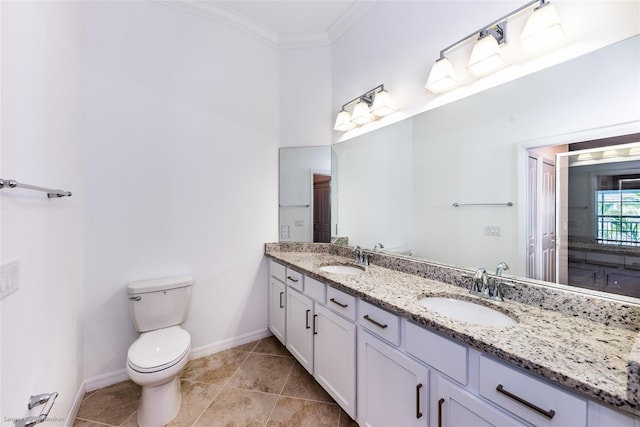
(348, 18)
(225, 16)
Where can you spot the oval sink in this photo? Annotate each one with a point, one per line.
(342, 269)
(467, 311)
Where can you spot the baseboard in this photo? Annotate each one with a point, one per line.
(216, 347)
(105, 380)
(110, 378)
(73, 412)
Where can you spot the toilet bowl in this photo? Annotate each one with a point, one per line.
(156, 358)
(154, 361)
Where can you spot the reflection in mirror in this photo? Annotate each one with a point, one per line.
(304, 194)
(397, 185)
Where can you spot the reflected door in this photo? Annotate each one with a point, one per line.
(548, 223)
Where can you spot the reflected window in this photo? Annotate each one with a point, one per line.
(618, 211)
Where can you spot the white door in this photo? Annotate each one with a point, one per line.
(335, 358)
(277, 311)
(548, 221)
(299, 322)
(532, 218)
(392, 389)
(454, 407)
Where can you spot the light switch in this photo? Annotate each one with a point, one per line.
(9, 278)
(284, 232)
(491, 230)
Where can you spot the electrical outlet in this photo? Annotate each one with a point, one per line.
(9, 278)
(491, 230)
(298, 223)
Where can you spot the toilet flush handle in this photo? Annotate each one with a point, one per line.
(136, 298)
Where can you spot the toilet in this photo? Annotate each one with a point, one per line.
(158, 307)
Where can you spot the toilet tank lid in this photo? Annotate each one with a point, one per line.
(160, 284)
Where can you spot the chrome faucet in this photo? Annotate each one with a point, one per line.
(359, 258)
(501, 267)
(378, 246)
(479, 282)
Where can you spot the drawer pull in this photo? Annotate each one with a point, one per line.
(366, 316)
(549, 414)
(307, 324)
(418, 413)
(440, 402)
(294, 280)
(315, 324)
(333, 300)
(281, 303)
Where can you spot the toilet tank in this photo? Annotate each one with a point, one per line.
(159, 303)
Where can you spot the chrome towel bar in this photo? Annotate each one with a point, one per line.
(457, 205)
(46, 399)
(51, 193)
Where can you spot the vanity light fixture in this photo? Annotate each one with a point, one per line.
(541, 30)
(369, 106)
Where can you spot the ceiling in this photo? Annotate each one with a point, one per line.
(284, 23)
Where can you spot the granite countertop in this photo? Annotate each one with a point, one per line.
(595, 359)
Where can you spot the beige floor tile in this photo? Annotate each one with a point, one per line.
(271, 345)
(111, 405)
(214, 369)
(301, 384)
(132, 421)
(247, 347)
(239, 408)
(262, 372)
(290, 411)
(196, 397)
(346, 421)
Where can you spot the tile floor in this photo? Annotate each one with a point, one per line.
(256, 384)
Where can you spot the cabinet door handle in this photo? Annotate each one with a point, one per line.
(292, 279)
(375, 322)
(594, 277)
(440, 402)
(549, 414)
(418, 413)
(315, 324)
(307, 324)
(333, 300)
(281, 303)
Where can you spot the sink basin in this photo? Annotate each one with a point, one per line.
(342, 269)
(467, 311)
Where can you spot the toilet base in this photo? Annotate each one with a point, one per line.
(159, 404)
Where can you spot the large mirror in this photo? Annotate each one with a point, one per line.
(451, 184)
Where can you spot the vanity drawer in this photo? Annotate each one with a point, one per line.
(342, 303)
(379, 321)
(295, 280)
(529, 398)
(315, 289)
(446, 356)
(278, 271)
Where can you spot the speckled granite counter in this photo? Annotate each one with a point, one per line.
(587, 344)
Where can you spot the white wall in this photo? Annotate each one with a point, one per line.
(396, 42)
(41, 145)
(182, 135)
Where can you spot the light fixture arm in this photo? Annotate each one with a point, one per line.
(367, 97)
(495, 23)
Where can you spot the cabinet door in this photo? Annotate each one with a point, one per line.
(335, 357)
(299, 322)
(277, 310)
(392, 389)
(454, 407)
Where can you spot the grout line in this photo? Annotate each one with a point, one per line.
(95, 422)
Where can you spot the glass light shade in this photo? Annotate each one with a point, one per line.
(634, 151)
(361, 114)
(383, 105)
(442, 77)
(608, 154)
(584, 156)
(485, 56)
(343, 121)
(542, 29)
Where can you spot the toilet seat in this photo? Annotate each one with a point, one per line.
(158, 350)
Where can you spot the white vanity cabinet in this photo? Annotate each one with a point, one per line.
(277, 300)
(393, 390)
(300, 313)
(334, 362)
(453, 406)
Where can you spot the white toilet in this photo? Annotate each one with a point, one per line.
(155, 359)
